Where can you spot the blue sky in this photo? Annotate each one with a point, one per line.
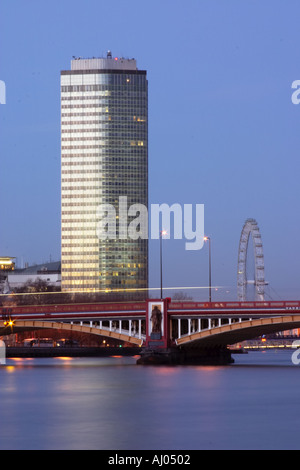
(222, 127)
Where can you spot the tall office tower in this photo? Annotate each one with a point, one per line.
(104, 156)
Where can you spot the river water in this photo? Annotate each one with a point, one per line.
(111, 403)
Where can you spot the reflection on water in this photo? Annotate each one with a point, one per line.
(110, 403)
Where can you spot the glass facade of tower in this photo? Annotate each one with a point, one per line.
(104, 156)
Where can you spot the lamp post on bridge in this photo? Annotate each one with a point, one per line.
(163, 232)
(209, 265)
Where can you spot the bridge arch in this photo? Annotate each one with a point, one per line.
(31, 325)
(251, 228)
(236, 332)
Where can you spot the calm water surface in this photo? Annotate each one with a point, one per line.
(110, 403)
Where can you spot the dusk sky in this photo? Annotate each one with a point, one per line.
(223, 130)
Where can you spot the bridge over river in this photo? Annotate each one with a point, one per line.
(164, 331)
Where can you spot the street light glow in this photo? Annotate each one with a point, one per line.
(162, 233)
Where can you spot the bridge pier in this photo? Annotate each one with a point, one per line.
(159, 350)
(185, 356)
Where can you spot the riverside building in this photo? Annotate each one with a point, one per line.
(104, 155)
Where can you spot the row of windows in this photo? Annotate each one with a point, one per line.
(70, 232)
(128, 118)
(83, 172)
(123, 190)
(119, 92)
(108, 115)
(82, 237)
(115, 84)
(112, 257)
(80, 248)
(80, 266)
(70, 171)
(105, 173)
(81, 253)
(91, 190)
(105, 176)
(105, 138)
(83, 178)
(118, 192)
(122, 180)
(104, 147)
(70, 282)
(98, 275)
(76, 267)
(128, 160)
(81, 212)
(125, 132)
(106, 179)
(89, 210)
(76, 225)
(97, 201)
(99, 136)
(102, 200)
(116, 101)
(73, 258)
(85, 100)
(100, 164)
(99, 96)
(129, 155)
(74, 91)
(81, 160)
(107, 144)
(95, 273)
(88, 228)
(102, 277)
(120, 132)
(123, 119)
(106, 165)
(100, 91)
(107, 82)
(103, 179)
(102, 172)
(86, 159)
(116, 144)
(70, 277)
(113, 246)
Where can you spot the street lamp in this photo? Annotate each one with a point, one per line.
(209, 245)
(163, 232)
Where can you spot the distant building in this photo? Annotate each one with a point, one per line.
(104, 155)
(48, 272)
(7, 266)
